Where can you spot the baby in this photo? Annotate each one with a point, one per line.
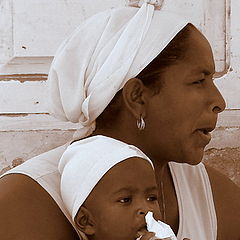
(108, 187)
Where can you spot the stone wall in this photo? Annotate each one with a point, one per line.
(225, 160)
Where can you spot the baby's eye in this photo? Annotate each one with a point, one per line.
(152, 198)
(125, 200)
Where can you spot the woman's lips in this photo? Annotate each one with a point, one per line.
(205, 135)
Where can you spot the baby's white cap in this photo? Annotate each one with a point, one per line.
(85, 162)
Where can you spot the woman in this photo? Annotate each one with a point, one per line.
(145, 76)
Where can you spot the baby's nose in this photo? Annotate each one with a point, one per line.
(144, 210)
(141, 212)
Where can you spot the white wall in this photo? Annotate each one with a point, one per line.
(30, 32)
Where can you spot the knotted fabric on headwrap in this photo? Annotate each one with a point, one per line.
(85, 162)
(138, 3)
(107, 50)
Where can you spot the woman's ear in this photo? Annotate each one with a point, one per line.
(84, 221)
(135, 97)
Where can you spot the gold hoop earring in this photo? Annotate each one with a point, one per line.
(141, 123)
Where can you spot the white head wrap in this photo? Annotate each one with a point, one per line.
(85, 162)
(107, 50)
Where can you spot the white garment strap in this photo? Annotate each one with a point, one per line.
(197, 216)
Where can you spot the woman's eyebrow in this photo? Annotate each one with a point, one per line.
(204, 71)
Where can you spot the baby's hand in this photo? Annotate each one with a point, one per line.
(151, 235)
(147, 236)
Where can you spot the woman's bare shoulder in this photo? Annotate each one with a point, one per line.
(226, 196)
(28, 212)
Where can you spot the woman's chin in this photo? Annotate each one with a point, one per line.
(193, 157)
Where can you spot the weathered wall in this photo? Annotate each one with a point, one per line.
(23, 80)
(226, 161)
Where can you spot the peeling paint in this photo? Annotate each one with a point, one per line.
(14, 114)
(20, 114)
(2, 171)
(24, 77)
(17, 161)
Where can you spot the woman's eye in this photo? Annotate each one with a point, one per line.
(125, 200)
(152, 198)
(199, 81)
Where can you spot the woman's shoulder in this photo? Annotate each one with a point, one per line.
(28, 211)
(28, 201)
(226, 196)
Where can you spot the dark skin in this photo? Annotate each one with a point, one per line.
(28, 212)
(188, 101)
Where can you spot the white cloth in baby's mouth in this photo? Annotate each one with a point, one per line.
(161, 229)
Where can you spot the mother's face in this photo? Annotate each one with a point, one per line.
(180, 118)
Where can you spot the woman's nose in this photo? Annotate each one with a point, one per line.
(218, 103)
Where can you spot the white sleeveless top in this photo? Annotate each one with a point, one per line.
(197, 215)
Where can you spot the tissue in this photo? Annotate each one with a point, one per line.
(161, 229)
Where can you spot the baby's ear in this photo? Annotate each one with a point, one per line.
(84, 221)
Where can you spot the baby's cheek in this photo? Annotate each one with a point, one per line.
(114, 222)
(117, 230)
(157, 213)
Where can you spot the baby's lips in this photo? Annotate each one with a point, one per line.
(141, 232)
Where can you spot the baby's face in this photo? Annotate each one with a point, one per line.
(121, 199)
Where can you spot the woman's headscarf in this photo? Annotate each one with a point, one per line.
(107, 50)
